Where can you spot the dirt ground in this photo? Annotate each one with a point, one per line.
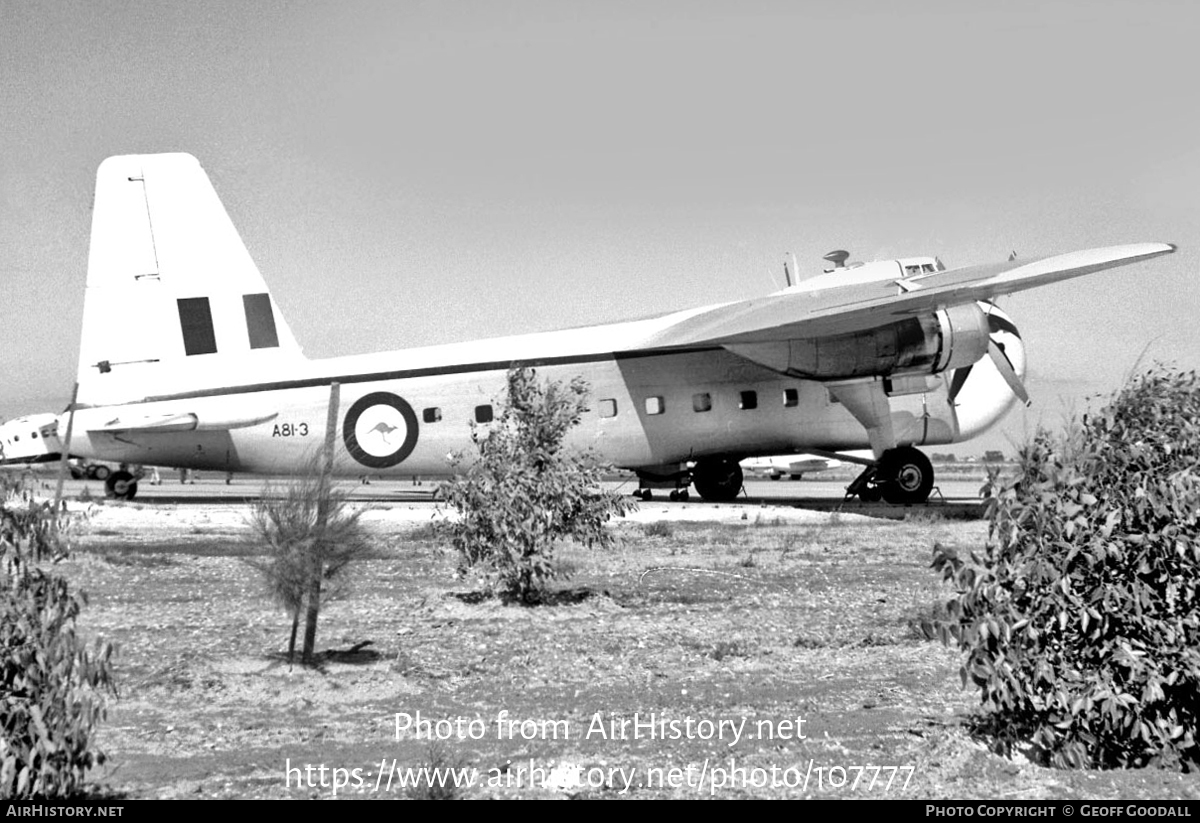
(740, 652)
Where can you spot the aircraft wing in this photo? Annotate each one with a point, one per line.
(854, 307)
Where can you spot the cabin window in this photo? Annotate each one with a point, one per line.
(483, 414)
(654, 405)
(195, 320)
(33, 435)
(260, 321)
(791, 397)
(702, 402)
(748, 400)
(432, 415)
(608, 408)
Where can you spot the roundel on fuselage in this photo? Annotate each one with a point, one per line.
(380, 430)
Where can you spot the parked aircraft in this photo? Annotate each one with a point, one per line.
(29, 439)
(792, 466)
(888, 356)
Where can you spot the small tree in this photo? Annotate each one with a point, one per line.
(527, 491)
(309, 535)
(1080, 619)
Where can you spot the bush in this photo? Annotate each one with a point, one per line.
(32, 532)
(442, 776)
(309, 535)
(658, 528)
(1080, 618)
(527, 491)
(51, 689)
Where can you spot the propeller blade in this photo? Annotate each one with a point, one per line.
(960, 379)
(997, 323)
(1007, 371)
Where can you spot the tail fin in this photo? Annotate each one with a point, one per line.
(174, 303)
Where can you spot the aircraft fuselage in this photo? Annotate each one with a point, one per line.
(646, 409)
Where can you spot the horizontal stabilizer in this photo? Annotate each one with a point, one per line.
(184, 422)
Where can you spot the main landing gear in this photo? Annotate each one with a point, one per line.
(717, 480)
(903, 476)
(675, 495)
(120, 485)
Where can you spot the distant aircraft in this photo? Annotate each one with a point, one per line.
(29, 439)
(888, 356)
(792, 466)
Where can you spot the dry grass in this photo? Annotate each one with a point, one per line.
(755, 621)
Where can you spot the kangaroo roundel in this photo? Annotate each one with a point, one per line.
(380, 430)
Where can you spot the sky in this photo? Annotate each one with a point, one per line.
(411, 173)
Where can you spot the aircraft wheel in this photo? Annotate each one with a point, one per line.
(796, 476)
(718, 480)
(683, 495)
(121, 486)
(775, 476)
(908, 475)
(101, 472)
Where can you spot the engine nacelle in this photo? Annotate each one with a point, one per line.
(947, 339)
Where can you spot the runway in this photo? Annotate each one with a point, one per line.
(954, 498)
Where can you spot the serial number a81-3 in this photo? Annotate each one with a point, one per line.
(290, 430)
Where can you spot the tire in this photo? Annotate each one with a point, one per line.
(120, 486)
(100, 472)
(907, 476)
(717, 480)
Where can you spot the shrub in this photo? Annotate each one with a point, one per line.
(658, 528)
(309, 535)
(1080, 618)
(527, 491)
(31, 531)
(443, 775)
(51, 689)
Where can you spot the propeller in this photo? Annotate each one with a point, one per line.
(1003, 364)
(1005, 367)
